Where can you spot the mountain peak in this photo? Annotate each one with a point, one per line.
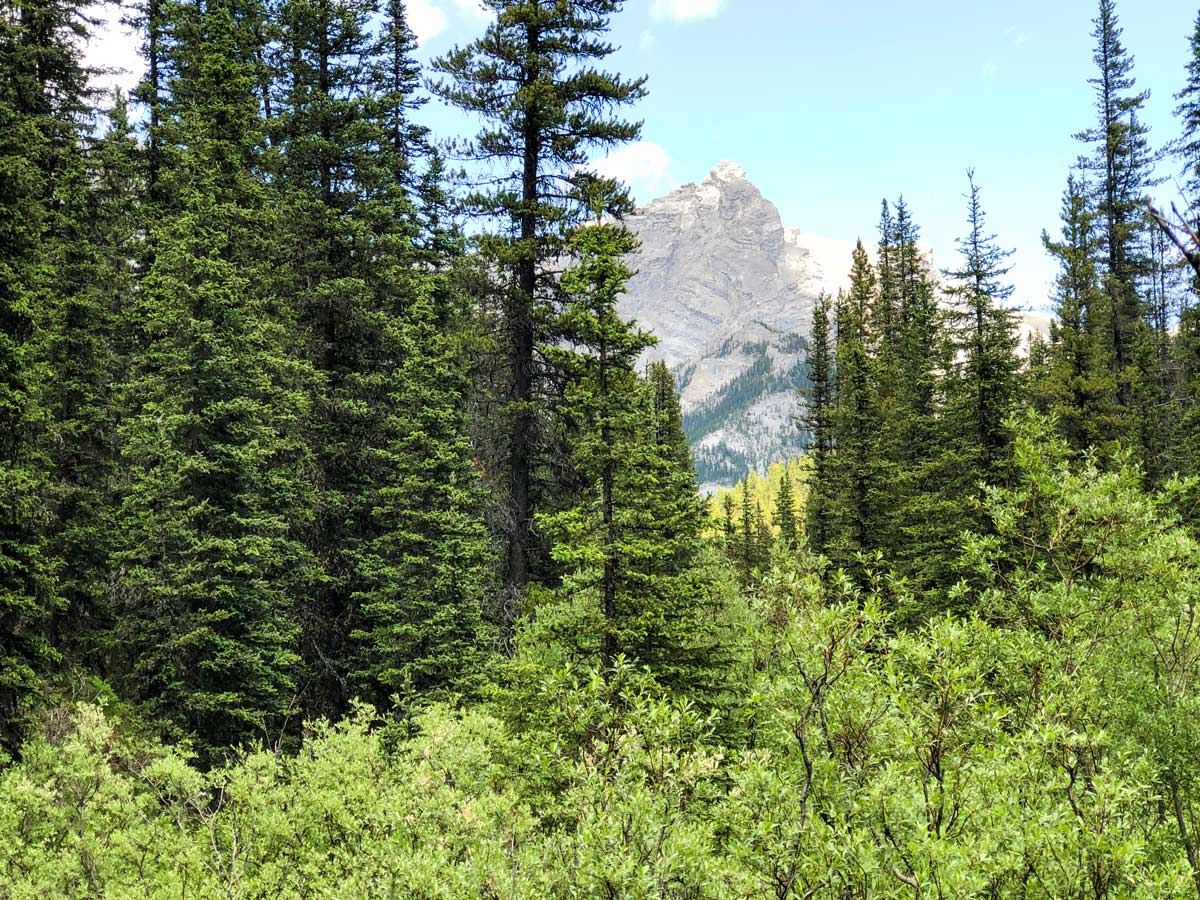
(727, 171)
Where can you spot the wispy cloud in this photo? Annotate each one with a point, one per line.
(644, 166)
(989, 70)
(647, 40)
(685, 10)
(113, 49)
(1016, 36)
(472, 10)
(426, 20)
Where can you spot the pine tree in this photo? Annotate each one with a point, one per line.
(819, 404)
(533, 79)
(212, 567)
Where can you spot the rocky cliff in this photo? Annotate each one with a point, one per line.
(730, 292)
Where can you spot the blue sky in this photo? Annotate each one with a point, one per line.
(830, 106)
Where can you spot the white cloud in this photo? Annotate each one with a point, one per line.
(989, 70)
(685, 10)
(425, 19)
(647, 40)
(472, 9)
(112, 47)
(644, 166)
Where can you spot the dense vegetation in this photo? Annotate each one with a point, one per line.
(344, 555)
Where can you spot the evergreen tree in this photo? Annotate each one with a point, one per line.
(785, 515)
(423, 575)
(1187, 148)
(1079, 388)
(855, 465)
(633, 541)
(1123, 165)
(211, 561)
(44, 103)
(82, 350)
(399, 74)
(819, 404)
(729, 527)
(747, 542)
(26, 591)
(762, 540)
(986, 378)
(398, 523)
(917, 524)
(533, 79)
(604, 385)
(669, 432)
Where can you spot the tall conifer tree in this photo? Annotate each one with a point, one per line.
(785, 514)
(1079, 387)
(211, 560)
(819, 404)
(39, 90)
(986, 378)
(633, 542)
(533, 79)
(856, 465)
(82, 348)
(1122, 165)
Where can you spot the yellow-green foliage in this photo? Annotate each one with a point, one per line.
(764, 490)
(1041, 747)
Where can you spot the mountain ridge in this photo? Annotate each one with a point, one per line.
(729, 291)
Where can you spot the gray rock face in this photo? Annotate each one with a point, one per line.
(730, 292)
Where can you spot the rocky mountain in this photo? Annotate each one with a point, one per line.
(730, 292)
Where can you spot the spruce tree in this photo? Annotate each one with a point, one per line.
(632, 544)
(984, 388)
(747, 537)
(83, 355)
(855, 470)
(785, 515)
(1187, 148)
(603, 396)
(1079, 388)
(26, 591)
(422, 576)
(533, 78)
(819, 405)
(44, 105)
(398, 512)
(211, 561)
(729, 527)
(1123, 167)
(916, 526)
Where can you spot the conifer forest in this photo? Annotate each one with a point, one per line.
(351, 543)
